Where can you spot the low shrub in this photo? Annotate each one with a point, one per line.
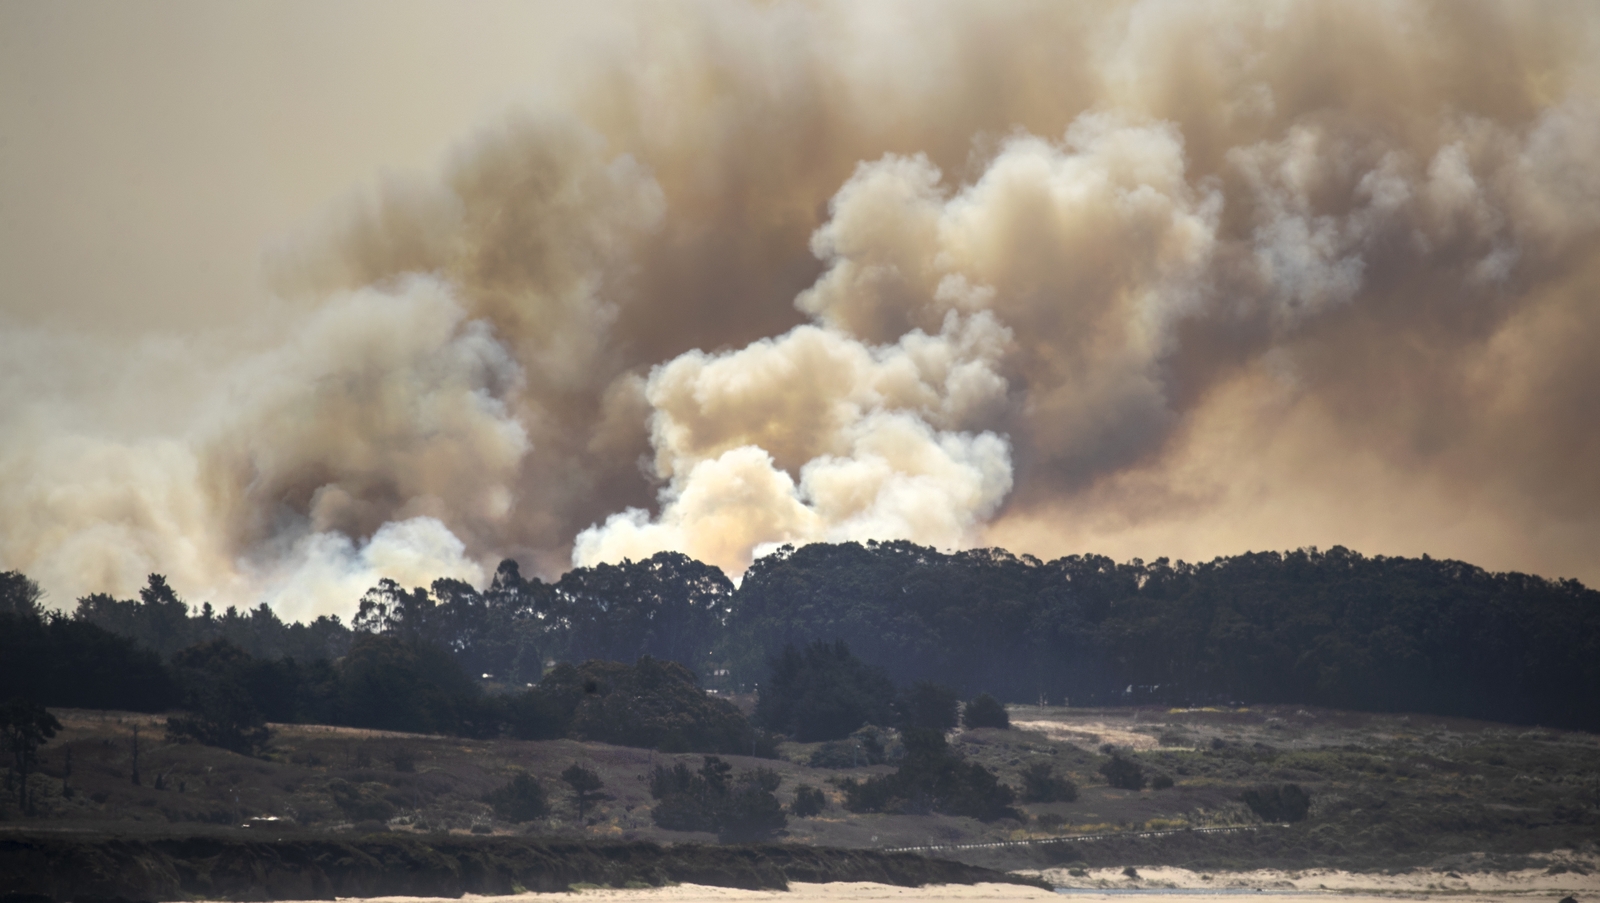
(808, 801)
(1278, 803)
(933, 778)
(985, 711)
(523, 799)
(1041, 785)
(739, 808)
(1123, 774)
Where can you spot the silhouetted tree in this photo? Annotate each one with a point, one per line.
(585, 784)
(20, 596)
(26, 726)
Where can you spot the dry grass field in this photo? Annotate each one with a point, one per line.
(1387, 791)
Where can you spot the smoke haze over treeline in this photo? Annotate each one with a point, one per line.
(1132, 278)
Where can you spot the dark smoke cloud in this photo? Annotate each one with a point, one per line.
(1145, 278)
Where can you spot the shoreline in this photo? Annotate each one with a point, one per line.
(1264, 886)
(1256, 886)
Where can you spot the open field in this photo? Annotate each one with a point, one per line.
(1387, 791)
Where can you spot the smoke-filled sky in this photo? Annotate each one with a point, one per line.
(296, 295)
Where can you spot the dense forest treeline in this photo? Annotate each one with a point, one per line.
(1331, 628)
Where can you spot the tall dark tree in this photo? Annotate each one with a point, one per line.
(26, 726)
(394, 611)
(585, 784)
(823, 693)
(20, 597)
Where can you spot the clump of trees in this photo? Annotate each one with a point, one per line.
(53, 660)
(932, 778)
(652, 703)
(218, 679)
(823, 692)
(390, 676)
(1331, 628)
(740, 808)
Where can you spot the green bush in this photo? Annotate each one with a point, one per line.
(808, 801)
(521, 800)
(986, 711)
(1040, 785)
(1123, 774)
(863, 747)
(739, 809)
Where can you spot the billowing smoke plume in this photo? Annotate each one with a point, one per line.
(1141, 278)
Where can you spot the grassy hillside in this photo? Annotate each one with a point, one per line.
(1386, 791)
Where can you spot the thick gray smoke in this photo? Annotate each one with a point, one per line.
(1142, 278)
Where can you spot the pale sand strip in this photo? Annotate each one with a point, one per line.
(1532, 883)
(1266, 886)
(695, 893)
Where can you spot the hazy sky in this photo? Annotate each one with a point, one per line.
(296, 295)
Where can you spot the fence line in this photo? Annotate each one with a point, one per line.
(1074, 838)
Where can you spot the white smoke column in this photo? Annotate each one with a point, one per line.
(871, 430)
(384, 405)
(862, 426)
(325, 572)
(381, 401)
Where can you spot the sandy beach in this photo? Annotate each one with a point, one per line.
(1264, 886)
